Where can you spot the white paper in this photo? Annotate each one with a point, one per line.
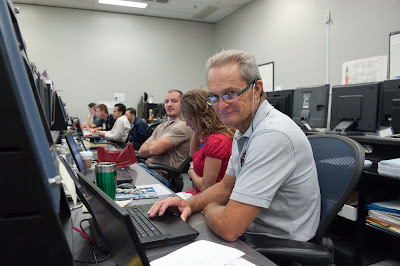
(160, 189)
(394, 204)
(119, 97)
(123, 203)
(365, 70)
(240, 262)
(67, 182)
(200, 253)
(184, 195)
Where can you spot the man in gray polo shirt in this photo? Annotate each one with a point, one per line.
(271, 185)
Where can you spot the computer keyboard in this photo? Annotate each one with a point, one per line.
(143, 226)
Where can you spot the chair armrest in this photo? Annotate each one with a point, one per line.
(172, 171)
(289, 250)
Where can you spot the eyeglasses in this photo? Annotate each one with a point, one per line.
(229, 97)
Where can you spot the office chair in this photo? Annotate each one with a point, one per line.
(339, 161)
(151, 128)
(174, 173)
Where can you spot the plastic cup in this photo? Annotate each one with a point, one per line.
(106, 177)
(87, 157)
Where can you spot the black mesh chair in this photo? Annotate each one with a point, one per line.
(339, 161)
(174, 173)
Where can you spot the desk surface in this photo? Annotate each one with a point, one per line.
(196, 220)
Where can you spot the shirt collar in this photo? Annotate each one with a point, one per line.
(259, 116)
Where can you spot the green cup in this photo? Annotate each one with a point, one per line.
(106, 177)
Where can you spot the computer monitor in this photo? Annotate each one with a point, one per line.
(390, 104)
(60, 116)
(355, 108)
(35, 219)
(281, 100)
(75, 152)
(310, 107)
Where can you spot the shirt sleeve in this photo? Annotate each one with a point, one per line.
(178, 134)
(219, 146)
(117, 130)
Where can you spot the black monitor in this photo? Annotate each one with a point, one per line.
(60, 115)
(35, 219)
(281, 100)
(73, 148)
(355, 108)
(390, 104)
(310, 107)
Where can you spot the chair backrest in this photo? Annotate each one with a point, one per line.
(177, 180)
(150, 129)
(339, 161)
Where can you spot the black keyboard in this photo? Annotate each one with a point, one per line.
(143, 226)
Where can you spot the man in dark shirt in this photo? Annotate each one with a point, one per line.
(138, 132)
(106, 121)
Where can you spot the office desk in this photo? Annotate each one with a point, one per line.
(196, 220)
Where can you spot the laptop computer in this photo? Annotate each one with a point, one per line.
(75, 152)
(152, 232)
(115, 226)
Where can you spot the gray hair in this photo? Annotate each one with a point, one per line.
(248, 66)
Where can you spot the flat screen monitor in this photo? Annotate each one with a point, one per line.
(60, 116)
(36, 225)
(390, 104)
(355, 108)
(281, 100)
(75, 152)
(310, 106)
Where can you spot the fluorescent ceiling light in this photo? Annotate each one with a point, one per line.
(123, 3)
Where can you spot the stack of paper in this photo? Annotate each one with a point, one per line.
(390, 167)
(385, 215)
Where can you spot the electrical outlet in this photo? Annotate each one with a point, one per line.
(327, 17)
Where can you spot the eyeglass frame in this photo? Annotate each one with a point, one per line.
(225, 96)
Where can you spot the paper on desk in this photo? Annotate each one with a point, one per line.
(67, 182)
(239, 262)
(394, 204)
(201, 252)
(160, 189)
(122, 203)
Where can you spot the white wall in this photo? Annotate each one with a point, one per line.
(292, 33)
(91, 55)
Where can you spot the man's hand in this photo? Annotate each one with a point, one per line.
(92, 130)
(176, 202)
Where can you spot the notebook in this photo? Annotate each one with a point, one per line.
(152, 232)
(115, 226)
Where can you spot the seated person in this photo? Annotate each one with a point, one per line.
(91, 116)
(170, 142)
(137, 135)
(106, 121)
(211, 144)
(120, 130)
(270, 187)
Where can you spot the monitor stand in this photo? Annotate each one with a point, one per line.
(343, 127)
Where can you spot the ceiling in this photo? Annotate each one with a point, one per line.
(210, 11)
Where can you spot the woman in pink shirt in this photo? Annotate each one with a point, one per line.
(211, 144)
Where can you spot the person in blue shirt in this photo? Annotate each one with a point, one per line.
(137, 134)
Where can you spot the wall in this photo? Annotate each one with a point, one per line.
(90, 55)
(292, 33)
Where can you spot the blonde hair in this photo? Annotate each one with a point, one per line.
(194, 105)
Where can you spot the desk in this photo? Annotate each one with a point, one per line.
(196, 221)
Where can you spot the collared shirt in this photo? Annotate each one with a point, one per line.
(138, 132)
(120, 130)
(274, 169)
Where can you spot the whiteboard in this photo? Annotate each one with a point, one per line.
(394, 55)
(267, 75)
